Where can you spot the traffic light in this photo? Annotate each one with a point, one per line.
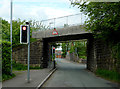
(53, 50)
(24, 34)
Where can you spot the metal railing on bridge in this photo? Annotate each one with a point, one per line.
(62, 22)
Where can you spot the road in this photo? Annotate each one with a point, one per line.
(71, 74)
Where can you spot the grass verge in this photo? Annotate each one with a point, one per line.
(7, 77)
(19, 66)
(109, 75)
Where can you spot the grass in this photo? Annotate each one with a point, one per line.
(7, 77)
(109, 74)
(33, 39)
(19, 66)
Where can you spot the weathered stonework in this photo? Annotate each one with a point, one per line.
(91, 55)
(98, 53)
(73, 57)
(99, 56)
(104, 56)
(20, 54)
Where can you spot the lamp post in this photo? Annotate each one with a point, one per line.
(11, 32)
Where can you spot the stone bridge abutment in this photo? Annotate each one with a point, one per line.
(98, 53)
(91, 50)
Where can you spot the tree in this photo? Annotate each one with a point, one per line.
(56, 45)
(64, 50)
(104, 23)
(104, 19)
(16, 30)
(5, 29)
(79, 48)
(72, 46)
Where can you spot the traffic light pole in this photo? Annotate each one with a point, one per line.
(53, 60)
(28, 77)
(25, 39)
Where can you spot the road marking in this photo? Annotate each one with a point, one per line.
(40, 85)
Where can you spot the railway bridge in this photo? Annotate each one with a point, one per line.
(68, 34)
(98, 53)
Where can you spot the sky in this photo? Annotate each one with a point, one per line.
(60, 48)
(37, 9)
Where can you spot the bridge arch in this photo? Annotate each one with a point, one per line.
(91, 61)
(94, 46)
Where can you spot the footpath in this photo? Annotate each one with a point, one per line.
(20, 81)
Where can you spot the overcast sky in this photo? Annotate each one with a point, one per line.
(37, 9)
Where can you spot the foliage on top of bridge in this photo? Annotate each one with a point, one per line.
(104, 19)
(104, 23)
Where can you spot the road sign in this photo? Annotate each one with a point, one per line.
(55, 32)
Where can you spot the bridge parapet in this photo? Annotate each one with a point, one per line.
(61, 32)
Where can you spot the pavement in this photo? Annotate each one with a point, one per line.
(71, 74)
(68, 74)
(20, 81)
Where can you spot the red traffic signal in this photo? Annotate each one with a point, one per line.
(54, 50)
(24, 34)
(24, 28)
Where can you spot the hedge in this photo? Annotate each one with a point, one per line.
(6, 56)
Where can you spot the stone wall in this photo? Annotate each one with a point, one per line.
(98, 55)
(20, 54)
(91, 55)
(45, 54)
(104, 56)
(47, 61)
(73, 57)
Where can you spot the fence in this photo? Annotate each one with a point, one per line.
(61, 22)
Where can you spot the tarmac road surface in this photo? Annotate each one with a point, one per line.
(71, 74)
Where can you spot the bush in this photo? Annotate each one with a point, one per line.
(7, 77)
(6, 61)
(6, 55)
(64, 54)
(83, 57)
